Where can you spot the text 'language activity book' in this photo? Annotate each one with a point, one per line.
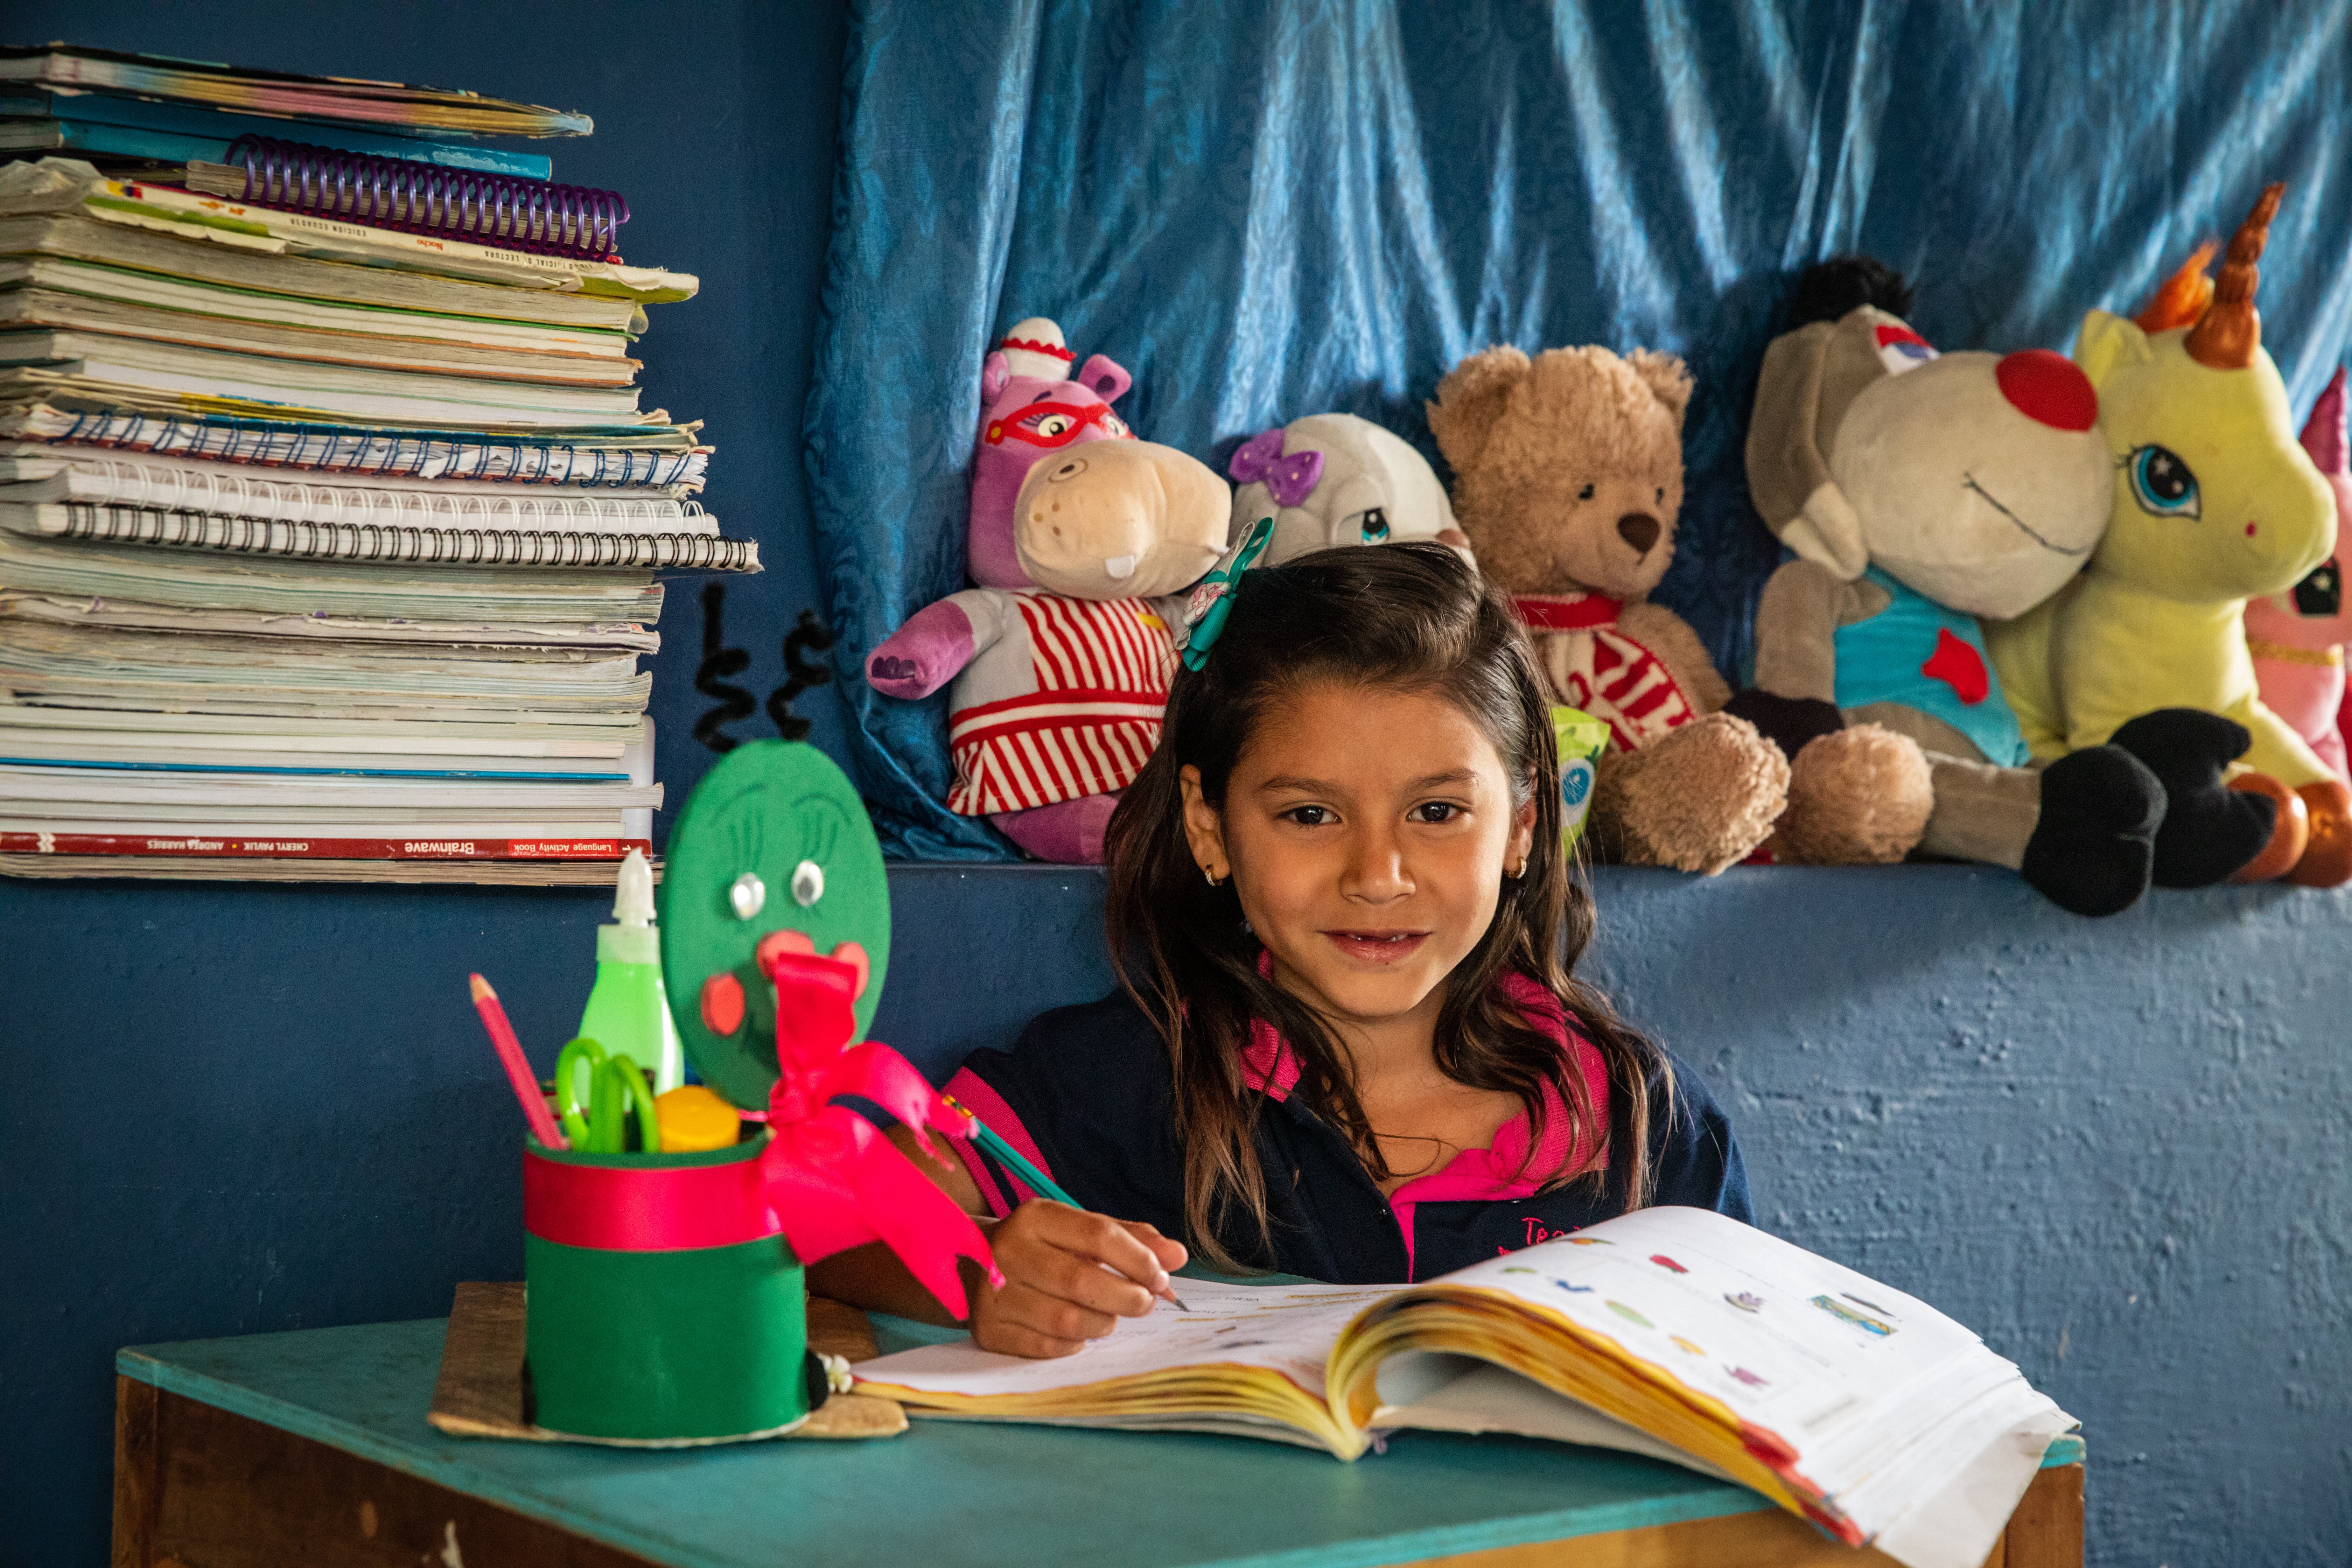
(329, 520)
(1673, 1332)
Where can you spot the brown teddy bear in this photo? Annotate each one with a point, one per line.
(1568, 476)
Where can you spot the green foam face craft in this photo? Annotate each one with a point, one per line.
(773, 848)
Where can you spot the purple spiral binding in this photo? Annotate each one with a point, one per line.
(424, 198)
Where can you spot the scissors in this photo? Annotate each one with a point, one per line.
(614, 1084)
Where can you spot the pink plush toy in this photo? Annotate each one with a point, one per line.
(1080, 535)
(2297, 637)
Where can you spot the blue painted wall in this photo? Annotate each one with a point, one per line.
(2119, 1149)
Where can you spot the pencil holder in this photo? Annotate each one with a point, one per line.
(663, 1304)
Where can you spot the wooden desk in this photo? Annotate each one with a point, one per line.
(311, 1447)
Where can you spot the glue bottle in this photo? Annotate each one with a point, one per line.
(629, 1011)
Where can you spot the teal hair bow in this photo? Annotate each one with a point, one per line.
(1212, 597)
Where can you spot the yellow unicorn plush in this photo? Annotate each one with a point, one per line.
(2215, 502)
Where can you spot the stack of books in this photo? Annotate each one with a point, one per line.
(330, 525)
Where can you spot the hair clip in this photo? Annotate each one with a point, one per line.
(1289, 479)
(1212, 599)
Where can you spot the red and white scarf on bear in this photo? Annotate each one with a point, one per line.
(1598, 668)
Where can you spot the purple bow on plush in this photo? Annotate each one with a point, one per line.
(1290, 479)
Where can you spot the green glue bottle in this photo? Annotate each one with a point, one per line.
(629, 1011)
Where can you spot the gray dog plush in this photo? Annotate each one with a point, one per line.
(1918, 492)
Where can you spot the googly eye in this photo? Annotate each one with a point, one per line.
(748, 896)
(2162, 484)
(808, 883)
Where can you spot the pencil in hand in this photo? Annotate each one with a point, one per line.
(1036, 1181)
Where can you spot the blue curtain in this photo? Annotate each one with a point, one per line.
(1270, 209)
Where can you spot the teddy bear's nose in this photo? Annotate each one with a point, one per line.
(1638, 529)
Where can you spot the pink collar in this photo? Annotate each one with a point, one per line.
(1501, 1170)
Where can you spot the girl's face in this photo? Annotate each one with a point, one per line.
(1367, 833)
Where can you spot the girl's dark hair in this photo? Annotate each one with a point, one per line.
(1415, 617)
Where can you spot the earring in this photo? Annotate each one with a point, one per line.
(1518, 871)
(1211, 876)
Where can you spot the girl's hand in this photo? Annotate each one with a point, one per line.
(1069, 1276)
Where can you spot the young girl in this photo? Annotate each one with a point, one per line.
(1347, 1045)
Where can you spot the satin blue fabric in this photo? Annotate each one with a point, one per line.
(1268, 209)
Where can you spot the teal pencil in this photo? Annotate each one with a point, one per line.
(1031, 1176)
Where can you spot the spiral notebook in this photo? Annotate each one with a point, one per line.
(422, 111)
(380, 346)
(266, 272)
(663, 456)
(110, 124)
(419, 199)
(398, 544)
(29, 476)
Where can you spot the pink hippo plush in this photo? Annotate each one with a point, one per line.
(2297, 637)
(1080, 537)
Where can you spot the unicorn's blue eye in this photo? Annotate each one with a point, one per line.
(2162, 483)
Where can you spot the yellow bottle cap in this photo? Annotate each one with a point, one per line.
(693, 1118)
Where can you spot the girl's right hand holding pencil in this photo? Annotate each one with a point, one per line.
(1069, 1276)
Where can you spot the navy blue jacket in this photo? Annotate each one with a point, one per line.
(1086, 1093)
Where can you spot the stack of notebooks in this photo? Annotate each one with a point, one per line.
(330, 527)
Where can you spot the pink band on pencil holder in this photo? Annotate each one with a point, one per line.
(632, 1208)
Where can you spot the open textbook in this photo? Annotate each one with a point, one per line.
(1673, 1332)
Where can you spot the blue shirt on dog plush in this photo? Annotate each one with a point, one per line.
(1916, 653)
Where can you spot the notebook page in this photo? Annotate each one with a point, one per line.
(1288, 1329)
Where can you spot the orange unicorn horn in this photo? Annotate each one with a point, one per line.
(2230, 331)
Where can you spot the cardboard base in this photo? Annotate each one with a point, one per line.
(479, 1392)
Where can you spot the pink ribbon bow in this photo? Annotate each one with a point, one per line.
(832, 1181)
(1289, 480)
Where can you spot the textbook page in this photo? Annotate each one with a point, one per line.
(1922, 1436)
(1791, 1342)
(1288, 1329)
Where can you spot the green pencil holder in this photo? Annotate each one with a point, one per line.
(663, 1305)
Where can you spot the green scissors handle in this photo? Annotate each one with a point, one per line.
(614, 1084)
(618, 1084)
(588, 1058)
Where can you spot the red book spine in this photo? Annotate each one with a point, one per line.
(323, 848)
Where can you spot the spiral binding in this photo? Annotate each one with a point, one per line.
(535, 216)
(107, 523)
(135, 484)
(382, 454)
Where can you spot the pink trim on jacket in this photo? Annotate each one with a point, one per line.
(1498, 1173)
(987, 1105)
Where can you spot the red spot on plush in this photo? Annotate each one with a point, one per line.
(2048, 388)
(1959, 667)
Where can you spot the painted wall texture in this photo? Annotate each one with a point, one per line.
(2119, 1149)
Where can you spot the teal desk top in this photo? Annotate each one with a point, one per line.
(945, 1494)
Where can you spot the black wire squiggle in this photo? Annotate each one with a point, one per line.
(811, 634)
(710, 677)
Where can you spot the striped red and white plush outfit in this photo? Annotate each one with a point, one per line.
(1096, 682)
(1597, 667)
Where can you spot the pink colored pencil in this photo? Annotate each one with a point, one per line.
(519, 1073)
